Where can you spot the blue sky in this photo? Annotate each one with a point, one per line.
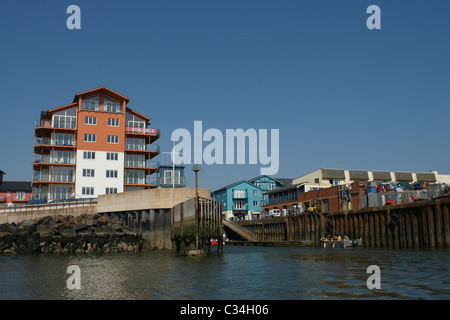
(342, 96)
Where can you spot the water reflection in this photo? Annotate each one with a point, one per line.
(239, 273)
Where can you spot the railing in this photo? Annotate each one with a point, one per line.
(142, 130)
(239, 208)
(60, 204)
(55, 142)
(142, 163)
(140, 181)
(61, 124)
(26, 197)
(53, 178)
(95, 106)
(142, 147)
(171, 181)
(241, 194)
(89, 105)
(48, 159)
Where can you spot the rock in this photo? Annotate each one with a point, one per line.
(44, 230)
(117, 226)
(85, 234)
(80, 227)
(103, 231)
(68, 233)
(103, 220)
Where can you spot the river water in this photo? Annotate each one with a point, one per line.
(251, 273)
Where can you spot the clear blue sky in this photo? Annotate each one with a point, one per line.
(342, 96)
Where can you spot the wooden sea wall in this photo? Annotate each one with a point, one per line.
(414, 225)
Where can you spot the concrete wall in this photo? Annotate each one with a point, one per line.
(164, 198)
(9, 217)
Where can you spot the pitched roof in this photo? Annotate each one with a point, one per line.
(99, 89)
(283, 181)
(15, 186)
(235, 183)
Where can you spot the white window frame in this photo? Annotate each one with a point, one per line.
(89, 173)
(87, 191)
(90, 137)
(112, 156)
(90, 120)
(112, 139)
(113, 122)
(89, 155)
(110, 190)
(111, 174)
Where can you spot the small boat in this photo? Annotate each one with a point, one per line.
(213, 242)
(345, 243)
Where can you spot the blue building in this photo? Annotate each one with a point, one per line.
(244, 199)
(170, 176)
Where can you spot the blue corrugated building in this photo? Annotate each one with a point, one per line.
(244, 199)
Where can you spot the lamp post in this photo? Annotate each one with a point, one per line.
(196, 168)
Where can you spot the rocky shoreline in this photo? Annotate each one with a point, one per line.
(70, 234)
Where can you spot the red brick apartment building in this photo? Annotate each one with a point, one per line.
(14, 192)
(94, 145)
(324, 199)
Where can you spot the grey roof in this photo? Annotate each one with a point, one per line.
(15, 186)
(426, 177)
(285, 181)
(333, 174)
(359, 175)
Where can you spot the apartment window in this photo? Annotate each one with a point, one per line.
(87, 191)
(113, 122)
(112, 156)
(20, 196)
(90, 120)
(316, 180)
(63, 157)
(110, 190)
(90, 137)
(111, 173)
(255, 203)
(89, 155)
(239, 193)
(239, 205)
(90, 103)
(88, 172)
(111, 105)
(271, 186)
(112, 139)
(255, 192)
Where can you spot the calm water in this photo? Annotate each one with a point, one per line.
(239, 273)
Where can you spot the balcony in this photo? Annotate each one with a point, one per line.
(64, 142)
(53, 196)
(240, 207)
(144, 164)
(47, 159)
(21, 198)
(129, 146)
(140, 181)
(57, 124)
(140, 130)
(53, 178)
(239, 194)
(169, 181)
